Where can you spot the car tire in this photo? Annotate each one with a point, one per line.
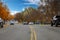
(56, 24)
(51, 24)
(2, 26)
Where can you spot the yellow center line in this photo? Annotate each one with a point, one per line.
(35, 37)
(33, 34)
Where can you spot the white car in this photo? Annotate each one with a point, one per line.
(12, 22)
(25, 23)
(31, 23)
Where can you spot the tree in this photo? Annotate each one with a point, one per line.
(55, 6)
(31, 14)
(19, 17)
(11, 17)
(50, 9)
(4, 12)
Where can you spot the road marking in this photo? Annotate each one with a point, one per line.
(33, 34)
(35, 37)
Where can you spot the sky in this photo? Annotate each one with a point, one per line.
(20, 5)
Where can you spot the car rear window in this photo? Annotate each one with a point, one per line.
(57, 16)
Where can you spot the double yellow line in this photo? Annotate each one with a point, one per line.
(33, 34)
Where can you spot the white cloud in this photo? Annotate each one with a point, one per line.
(23, 9)
(29, 3)
(14, 12)
(36, 2)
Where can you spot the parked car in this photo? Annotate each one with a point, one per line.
(31, 23)
(25, 23)
(11, 22)
(36, 22)
(55, 20)
(1, 23)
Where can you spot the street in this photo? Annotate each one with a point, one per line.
(29, 19)
(29, 32)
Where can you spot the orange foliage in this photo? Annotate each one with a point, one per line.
(10, 17)
(3, 12)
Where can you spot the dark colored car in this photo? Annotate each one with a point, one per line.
(56, 22)
(36, 22)
(1, 24)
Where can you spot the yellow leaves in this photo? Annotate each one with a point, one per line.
(10, 17)
(3, 12)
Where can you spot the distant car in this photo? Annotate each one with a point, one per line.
(55, 21)
(31, 23)
(11, 22)
(1, 23)
(25, 23)
(37, 23)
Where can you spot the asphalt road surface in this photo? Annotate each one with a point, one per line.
(29, 32)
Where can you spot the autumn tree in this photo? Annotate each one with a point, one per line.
(31, 14)
(50, 9)
(55, 6)
(19, 17)
(4, 11)
(11, 17)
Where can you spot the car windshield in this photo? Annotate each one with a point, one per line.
(29, 19)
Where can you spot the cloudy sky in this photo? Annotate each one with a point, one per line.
(20, 5)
